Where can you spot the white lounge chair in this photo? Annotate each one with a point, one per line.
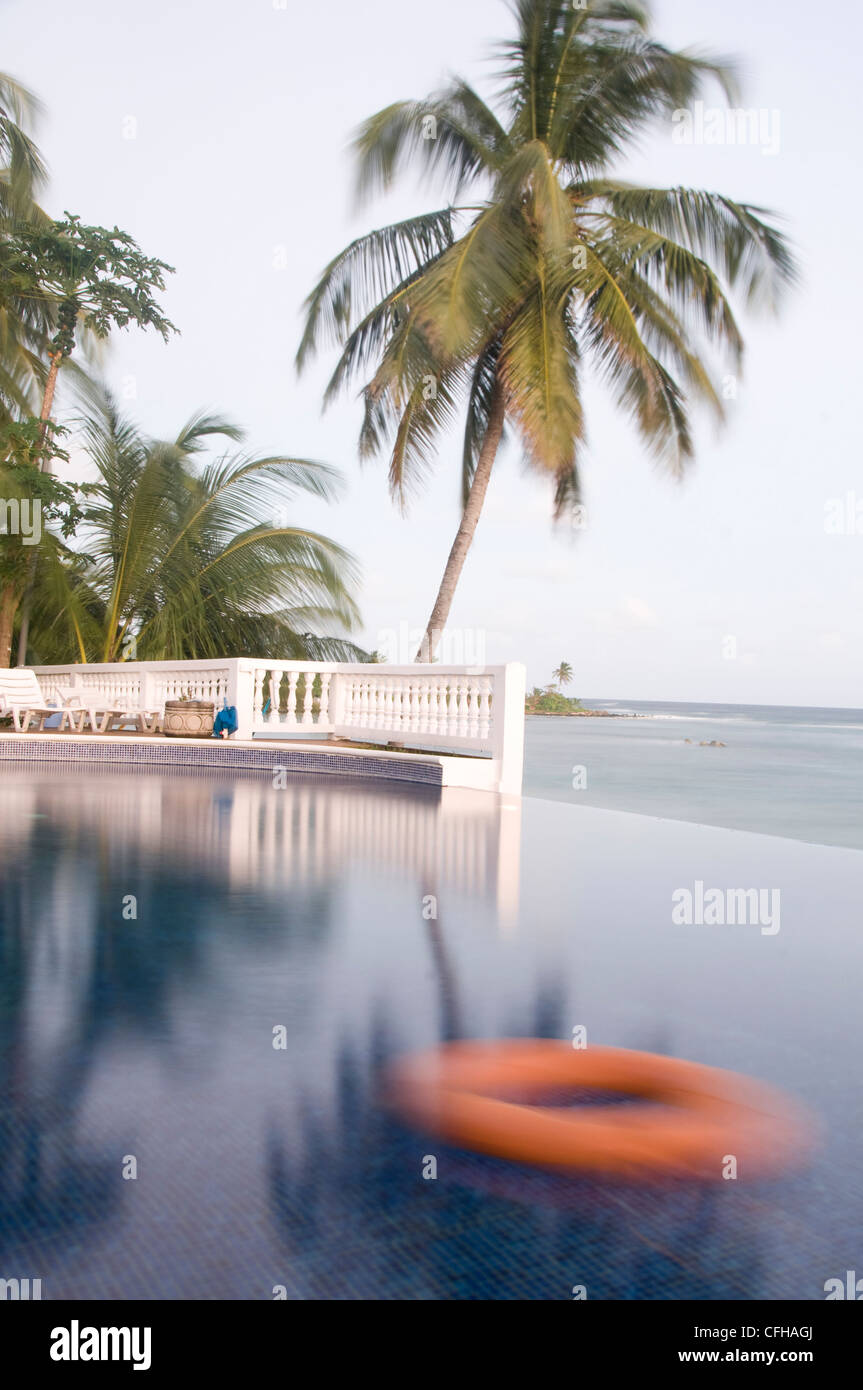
(148, 721)
(104, 715)
(21, 697)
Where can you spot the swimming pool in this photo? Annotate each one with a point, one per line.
(163, 935)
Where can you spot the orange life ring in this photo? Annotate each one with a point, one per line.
(698, 1119)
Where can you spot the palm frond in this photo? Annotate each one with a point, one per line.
(738, 239)
(367, 271)
(478, 412)
(454, 134)
(538, 370)
(476, 283)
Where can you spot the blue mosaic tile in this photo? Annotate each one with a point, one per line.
(133, 752)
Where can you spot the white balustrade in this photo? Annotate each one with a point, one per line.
(439, 709)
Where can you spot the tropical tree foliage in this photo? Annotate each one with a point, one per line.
(91, 280)
(22, 169)
(24, 321)
(563, 675)
(171, 553)
(182, 556)
(495, 308)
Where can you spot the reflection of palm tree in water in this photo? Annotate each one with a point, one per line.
(48, 1182)
(452, 1024)
(55, 1177)
(548, 1020)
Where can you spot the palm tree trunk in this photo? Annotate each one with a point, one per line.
(465, 534)
(44, 467)
(9, 598)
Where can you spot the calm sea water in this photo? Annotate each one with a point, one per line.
(786, 771)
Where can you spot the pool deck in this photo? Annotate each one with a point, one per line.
(270, 755)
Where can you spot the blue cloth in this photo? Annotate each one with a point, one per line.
(225, 720)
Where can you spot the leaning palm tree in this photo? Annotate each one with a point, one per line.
(498, 305)
(563, 675)
(180, 558)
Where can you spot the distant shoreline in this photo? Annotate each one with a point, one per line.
(581, 714)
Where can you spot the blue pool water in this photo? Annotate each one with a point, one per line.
(156, 929)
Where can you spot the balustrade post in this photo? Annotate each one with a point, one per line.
(507, 716)
(324, 701)
(309, 681)
(337, 701)
(241, 693)
(147, 689)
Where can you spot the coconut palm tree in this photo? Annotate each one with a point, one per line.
(25, 320)
(563, 675)
(497, 305)
(22, 169)
(184, 559)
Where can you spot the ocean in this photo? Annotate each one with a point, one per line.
(784, 770)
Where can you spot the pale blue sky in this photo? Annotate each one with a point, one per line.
(237, 176)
